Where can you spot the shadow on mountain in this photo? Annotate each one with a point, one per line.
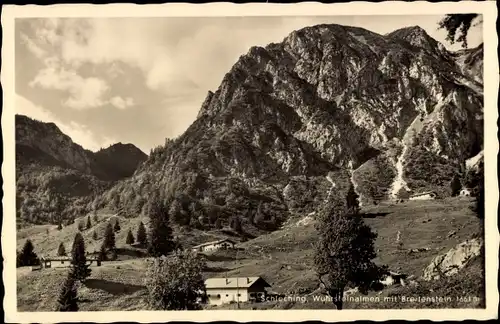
(112, 287)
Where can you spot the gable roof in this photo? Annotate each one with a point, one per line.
(423, 193)
(56, 258)
(214, 242)
(240, 282)
(65, 258)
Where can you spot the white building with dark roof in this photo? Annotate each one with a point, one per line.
(424, 196)
(214, 245)
(242, 289)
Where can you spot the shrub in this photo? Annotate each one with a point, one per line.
(176, 282)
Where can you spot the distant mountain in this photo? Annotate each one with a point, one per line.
(119, 161)
(51, 169)
(295, 122)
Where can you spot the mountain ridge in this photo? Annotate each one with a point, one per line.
(319, 105)
(51, 169)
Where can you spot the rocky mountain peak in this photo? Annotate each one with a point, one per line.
(418, 37)
(294, 122)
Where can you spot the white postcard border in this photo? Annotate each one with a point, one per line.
(491, 81)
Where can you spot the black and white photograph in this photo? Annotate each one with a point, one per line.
(321, 162)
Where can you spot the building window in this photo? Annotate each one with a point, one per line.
(227, 295)
(239, 295)
(218, 295)
(62, 262)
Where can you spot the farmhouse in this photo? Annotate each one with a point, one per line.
(465, 192)
(64, 262)
(215, 245)
(424, 196)
(391, 278)
(226, 290)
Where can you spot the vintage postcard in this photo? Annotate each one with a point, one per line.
(254, 162)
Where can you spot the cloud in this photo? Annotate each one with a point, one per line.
(84, 93)
(121, 103)
(79, 133)
(32, 46)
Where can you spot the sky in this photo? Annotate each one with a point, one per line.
(141, 80)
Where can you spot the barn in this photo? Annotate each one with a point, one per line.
(427, 195)
(214, 245)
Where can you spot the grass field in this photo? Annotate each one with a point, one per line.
(283, 258)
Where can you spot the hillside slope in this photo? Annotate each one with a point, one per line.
(57, 179)
(284, 258)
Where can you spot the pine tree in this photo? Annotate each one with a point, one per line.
(160, 242)
(80, 269)
(68, 297)
(28, 257)
(18, 259)
(130, 238)
(345, 251)
(455, 185)
(103, 256)
(61, 251)
(96, 218)
(478, 207)
(89, 223)
(59, 226)
(352, 200)
(109, 238)
(236, 224)
(117, 226)
(142, 236)
(94, 235)
(113, 255)
(218, 223)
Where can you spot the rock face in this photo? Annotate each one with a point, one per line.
(329, 104)
(455, 259)
(49, 163)
(470, 62)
